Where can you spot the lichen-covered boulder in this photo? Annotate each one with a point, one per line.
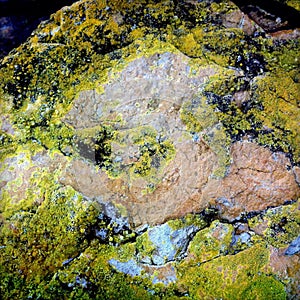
(150, 151)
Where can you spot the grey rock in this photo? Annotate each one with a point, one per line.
(130, 267)
(294, 247)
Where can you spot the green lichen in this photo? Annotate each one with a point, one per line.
(74, 51)
(202, 123)
(232, 277)
(211, 242)
(280, 225)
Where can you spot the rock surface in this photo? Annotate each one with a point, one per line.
(150, 151)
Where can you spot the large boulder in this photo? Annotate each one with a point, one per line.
(150, 150)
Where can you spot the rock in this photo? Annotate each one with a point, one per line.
(150, 115)
(257, 179)
(284, 265)
(271, 15)
(237, 19)
(130, 267)
(294, 247)
(150, 151)
(211, 242)
(164, 244)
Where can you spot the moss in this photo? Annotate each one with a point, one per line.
(48, 239)
(281, 225)
(202, 123)
(232, 277)
(211, 242)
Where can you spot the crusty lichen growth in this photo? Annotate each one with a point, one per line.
(101, 37)
(211, 242)
(271, 114)
(75, 50)
(279, 225)
(202, 123)
(280, 97)
(232, 277)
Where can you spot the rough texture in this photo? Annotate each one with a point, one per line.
(257, 179)
(150, 151)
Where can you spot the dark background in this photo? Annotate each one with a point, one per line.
(18, 18)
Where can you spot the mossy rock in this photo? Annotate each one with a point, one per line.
(118, 129)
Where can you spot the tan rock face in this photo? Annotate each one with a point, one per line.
(287, 267)
(160, 169)
(237, 19)
(144, 106)
(257, 179)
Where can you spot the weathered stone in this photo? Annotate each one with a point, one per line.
(150, 151)
(257, 179)
(211, 242)
(284, 266)
(294, 247)
(164, 244)
(237, 19)
(156, 89)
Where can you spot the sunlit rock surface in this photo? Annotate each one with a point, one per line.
(150, 151)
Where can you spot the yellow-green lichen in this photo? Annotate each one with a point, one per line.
(48, 247)
(144, 247)
(47, 235)
(281, 115)
(294, 3)
(271, 116)
(202, 123)
(211, 242)
(154, 151)
(197, 220)
(279, 225)
(232, 277)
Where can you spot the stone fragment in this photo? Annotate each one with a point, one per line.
(130, 267)
(287, 268)
(20, 175)
(162, 244)
(238, 19)
(294, 247)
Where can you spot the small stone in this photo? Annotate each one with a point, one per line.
(294, 247)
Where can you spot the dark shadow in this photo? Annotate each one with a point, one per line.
(18, 18)
(37, 8)
(271, 15)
